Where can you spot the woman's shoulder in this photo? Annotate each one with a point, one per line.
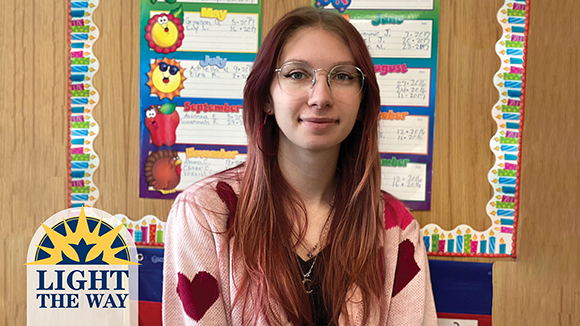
(396, 213)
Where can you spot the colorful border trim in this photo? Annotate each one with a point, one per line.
(149, 231)
(82, 99)
(500, 239)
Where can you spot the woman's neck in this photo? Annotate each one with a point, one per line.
(311, 174)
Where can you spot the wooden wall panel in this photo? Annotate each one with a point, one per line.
(540, 287)
(33, 136)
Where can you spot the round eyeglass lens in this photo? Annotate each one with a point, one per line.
(297, 78)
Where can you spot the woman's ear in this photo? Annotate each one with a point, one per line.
(269, 108)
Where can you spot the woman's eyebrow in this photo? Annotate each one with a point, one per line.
(348, 62)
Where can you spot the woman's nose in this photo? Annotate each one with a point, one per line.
(321, 94)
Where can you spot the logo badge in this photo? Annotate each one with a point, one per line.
(82, 268)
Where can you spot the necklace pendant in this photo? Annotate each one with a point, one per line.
(307, 283)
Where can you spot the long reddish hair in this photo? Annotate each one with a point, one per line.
(269, 208)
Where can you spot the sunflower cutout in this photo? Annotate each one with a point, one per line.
(166, 78)
(165, 32)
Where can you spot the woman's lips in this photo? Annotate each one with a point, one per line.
(318, 123)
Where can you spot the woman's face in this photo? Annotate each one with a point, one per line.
(317, 118)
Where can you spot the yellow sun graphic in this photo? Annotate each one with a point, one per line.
(166, 78)
(93, 241)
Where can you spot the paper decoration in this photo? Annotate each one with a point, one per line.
(82, 99)
(149, 231)
(500, 239)
(195, 57)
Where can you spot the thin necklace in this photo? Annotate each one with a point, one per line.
(306, 281)
(312, 252)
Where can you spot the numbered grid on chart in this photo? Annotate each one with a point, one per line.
(408, 136)
(406, 89)
(410, 39)
(405, 182)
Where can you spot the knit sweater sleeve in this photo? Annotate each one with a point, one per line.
(412, 300)
(193, 293)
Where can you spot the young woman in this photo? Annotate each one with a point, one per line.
(300, 234)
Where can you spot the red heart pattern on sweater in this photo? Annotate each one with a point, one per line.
(407, 267)
(229, 197)
(197, 295)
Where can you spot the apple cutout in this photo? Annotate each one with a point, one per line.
(162, 121)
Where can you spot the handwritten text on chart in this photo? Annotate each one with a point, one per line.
(406, 89)
(214, 128)
(392, 4)
(410, 39)
(211, 81)
(245, 2)
(194, 169)
(405, 183)
(409, 136)
(236, 32)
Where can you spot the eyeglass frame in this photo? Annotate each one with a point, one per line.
(315, 73)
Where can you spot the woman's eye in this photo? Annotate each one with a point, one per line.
(296, 75)
(343, 76)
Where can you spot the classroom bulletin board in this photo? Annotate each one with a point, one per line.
(190, 103)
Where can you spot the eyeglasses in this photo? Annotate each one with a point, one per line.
(297, 78)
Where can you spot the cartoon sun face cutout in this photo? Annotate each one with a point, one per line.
(164, 33)
(166, 78)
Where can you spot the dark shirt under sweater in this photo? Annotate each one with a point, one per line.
(320, 315)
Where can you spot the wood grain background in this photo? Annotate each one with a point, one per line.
(540, 287)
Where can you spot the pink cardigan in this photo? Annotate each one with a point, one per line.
(198, 283)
